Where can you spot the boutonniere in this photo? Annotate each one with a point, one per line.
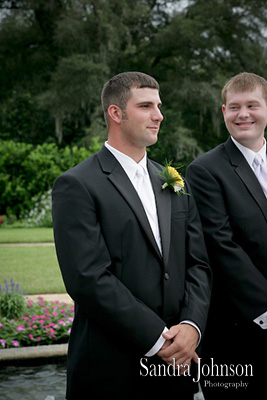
(172, 179)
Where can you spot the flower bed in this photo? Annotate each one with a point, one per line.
(42, 323)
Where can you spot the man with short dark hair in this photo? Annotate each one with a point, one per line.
(132, 257)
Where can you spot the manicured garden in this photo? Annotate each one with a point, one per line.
(39, 323)
(30, 268)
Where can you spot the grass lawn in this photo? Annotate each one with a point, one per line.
(26, 235)
(35, 268)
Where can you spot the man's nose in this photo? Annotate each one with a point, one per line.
(157, 115)
(244, 112)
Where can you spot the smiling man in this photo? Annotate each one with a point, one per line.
(229, 184)
(245, 116)
(132, 256)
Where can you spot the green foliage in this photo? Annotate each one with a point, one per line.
(55, 57)
(27, 172)
(76, 97)
(12, 302)
(21, 119)
(202, 47)
(176, 143)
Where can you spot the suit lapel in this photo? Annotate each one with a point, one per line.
(163, 203)
(246, 174)
(120, 180)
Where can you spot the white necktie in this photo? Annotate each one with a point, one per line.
(144, 189)
(261, 172)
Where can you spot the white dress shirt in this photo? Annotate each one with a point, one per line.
(249, 155)
(130, 167)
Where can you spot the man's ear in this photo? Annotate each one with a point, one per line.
(115, 113)
(223, 109)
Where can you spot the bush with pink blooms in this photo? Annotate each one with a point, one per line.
(43, 322)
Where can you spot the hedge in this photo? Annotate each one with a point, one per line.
(28, 171)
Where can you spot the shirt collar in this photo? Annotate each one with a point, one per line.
(250, 154)
(127, 163)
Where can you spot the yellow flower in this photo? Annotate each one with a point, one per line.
(175, 175)
(173, 179)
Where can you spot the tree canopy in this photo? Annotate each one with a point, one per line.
(55, 56)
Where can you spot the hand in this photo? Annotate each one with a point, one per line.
(181, 342)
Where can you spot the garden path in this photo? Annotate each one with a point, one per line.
(61, 297)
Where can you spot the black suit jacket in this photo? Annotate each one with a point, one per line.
(125, 292)
(233, 210)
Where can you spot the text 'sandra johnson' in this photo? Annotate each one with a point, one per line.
(202, 370)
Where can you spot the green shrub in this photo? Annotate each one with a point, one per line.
(27, 172)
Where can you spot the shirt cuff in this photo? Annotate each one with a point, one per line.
(195, 326)
(261, 320)
(157, 346)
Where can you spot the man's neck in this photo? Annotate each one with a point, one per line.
(134, 152)
(254, 145)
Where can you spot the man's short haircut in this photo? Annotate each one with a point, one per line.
(117, 90)
(245, 82)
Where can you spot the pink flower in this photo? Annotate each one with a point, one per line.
(15, 343)
(20, 328)
(30, 303)
(3, 342)
(30, 336)
(54, 314)
(1, 325)
(38, 339)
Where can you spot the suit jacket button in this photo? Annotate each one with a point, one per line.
(166, 276)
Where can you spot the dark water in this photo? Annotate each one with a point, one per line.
(38, 382)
